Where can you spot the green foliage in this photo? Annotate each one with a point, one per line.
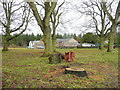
(59, 36)
(65, 36)
(117, 39)
(89, 38)
(24, 39)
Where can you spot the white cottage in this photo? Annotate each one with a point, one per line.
(36, 44)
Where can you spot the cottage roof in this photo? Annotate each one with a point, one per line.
(63, 40)
(68, 42)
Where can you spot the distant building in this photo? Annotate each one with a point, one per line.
(67, 42)
(88, 45)
(59, 42)
(36, 44)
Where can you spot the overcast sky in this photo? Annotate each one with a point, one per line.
(72, 20)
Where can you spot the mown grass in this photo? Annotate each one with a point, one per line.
(25, 68)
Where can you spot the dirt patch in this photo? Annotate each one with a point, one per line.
(29, 54)
(59, 70)
(96, 78)
(21, 65)
(78, 64)
(39, 52)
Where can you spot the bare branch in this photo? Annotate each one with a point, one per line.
(107, 25)
(48, 10)
(40, 5)
(3, 23)
(107, 31)
(58, 19)
(36, 14)
(23, 21)
(105, 9)
(59, 7)
(27, 20)
(117, 14)
(17, 9)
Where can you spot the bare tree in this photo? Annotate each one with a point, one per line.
(45, 24)
(50, 17)
(115, 20)
(99, 19)
(55, 20)
(14, 18)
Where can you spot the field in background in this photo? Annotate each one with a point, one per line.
(25, 68)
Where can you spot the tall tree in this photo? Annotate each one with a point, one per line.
(79, 38)
(59, 36)
(74, 36)
(50, 17)
(14, 18)
(45, 24)
(55, 20)
(115, 20)
(38, 37)
(65, 35)
(99, 18)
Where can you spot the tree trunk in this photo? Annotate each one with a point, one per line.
(54, 43)
(77, 71)
(47, 39)
(111, 42)
(111, 38)
(5, 45)
(81, 43)
(54, 36)
(56, 58)
(101, 43)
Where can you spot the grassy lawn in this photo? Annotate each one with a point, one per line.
(24, 68)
